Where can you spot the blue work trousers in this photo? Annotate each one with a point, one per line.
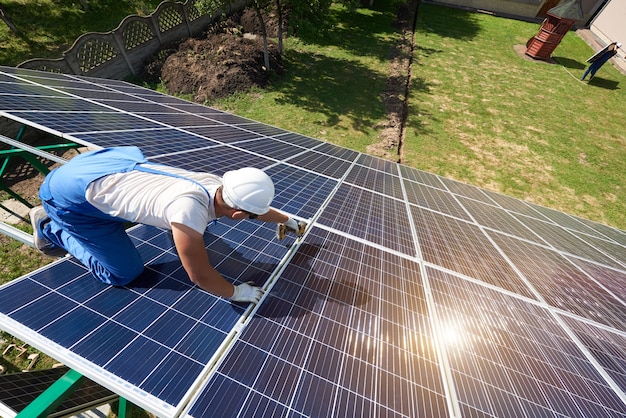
(97, 240)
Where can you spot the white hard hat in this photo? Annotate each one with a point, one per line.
(248, 189)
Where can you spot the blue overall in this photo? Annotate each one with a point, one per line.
(595, 66)
(96, 239)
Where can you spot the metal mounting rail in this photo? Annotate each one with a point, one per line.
(16, 234)
(32, 150)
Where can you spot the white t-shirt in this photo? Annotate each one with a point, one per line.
(155, 199)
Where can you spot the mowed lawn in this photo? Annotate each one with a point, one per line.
(482, 114)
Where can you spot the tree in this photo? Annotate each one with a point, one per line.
(259, 7)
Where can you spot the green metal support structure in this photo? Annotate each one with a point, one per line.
(21, 150)
(124, 409)
(52, 397)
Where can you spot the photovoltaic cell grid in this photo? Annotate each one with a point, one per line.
(19, 389)
(411, 295)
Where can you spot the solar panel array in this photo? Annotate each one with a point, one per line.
(411, 295)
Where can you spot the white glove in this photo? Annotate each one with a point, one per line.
(290, 226)
(245, 292)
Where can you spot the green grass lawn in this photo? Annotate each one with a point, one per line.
(47, 27)
(482, 114)
(333, 83)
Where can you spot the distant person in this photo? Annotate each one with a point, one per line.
(87, 202)
(600, 60)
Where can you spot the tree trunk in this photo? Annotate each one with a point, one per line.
(266, 54)
(279, 10)
(8, 21)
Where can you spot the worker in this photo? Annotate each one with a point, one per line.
(86, 203)
(600, 60)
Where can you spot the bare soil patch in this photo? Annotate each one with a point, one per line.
(229, 59)
(218, 66)
(397, 86)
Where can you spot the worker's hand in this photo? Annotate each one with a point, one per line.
(245, 292)
(291, 225)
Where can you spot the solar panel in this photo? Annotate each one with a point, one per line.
(411, 294)
(17, 390)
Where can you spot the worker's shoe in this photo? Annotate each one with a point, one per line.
(291, 225)
(38, 217)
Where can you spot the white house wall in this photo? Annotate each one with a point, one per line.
(608, 26)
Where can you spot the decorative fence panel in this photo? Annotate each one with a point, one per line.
(122, 52)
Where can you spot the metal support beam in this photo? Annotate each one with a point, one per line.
(124, 408)
(17, 234)
(52, 397)
(32, 150)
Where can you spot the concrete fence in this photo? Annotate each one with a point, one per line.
(122, 52)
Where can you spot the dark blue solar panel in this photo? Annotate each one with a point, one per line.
(376, 218)
(464, 248)
(514, 205)
(377, 181)
(321, 163)
(150, 323)
(336, 151)
(561, 284)
(259, 128)
(106, 97)
(435, 199)
(498, 219)
(327, 331)
(606, 346)
(378, 164)
(179, 119)
(17, 105)
(148, 95)
(466, 190)
(9, 87)
(512, 358)
(223, 133)
(141, 107)
(298, 191)
(609, 233)
(153, 141)
(216, 160)
(85, 122)
(612, 280)
(421, 177)
(297, 139)
(270, 147)
(564, 240)
(564, 220)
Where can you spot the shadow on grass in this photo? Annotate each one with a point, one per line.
(362, 32)
(334, 87)
(569, 63)
(604, 83)
(426, 52)
(447, 22)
